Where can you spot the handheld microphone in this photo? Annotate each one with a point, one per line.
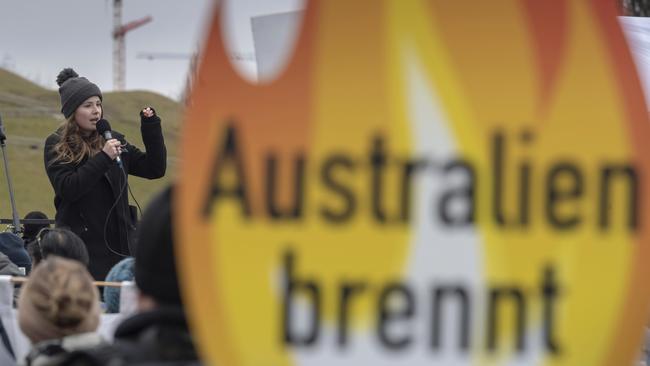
(104, 129)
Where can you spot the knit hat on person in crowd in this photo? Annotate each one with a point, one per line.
(122, 271)
(30, 230)
(74, 90)
(59, 299)
(155, 262)
(13, 247)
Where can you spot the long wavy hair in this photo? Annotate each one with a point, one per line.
(74, 146)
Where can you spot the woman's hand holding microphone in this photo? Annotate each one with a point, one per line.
(112, 148)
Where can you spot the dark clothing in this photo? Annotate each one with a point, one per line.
(156, 274)
(156, 337)
(86, 192)
(8, 268)
(54, 351)
(13, 247)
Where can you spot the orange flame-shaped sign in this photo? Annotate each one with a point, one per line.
(426, 182)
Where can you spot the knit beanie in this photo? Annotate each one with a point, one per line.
(30, 230)
(122, 271)
(74, 90)
(155, 262)
(58, 299)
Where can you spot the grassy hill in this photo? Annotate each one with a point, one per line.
(30, 113)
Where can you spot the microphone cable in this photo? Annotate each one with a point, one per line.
(134, 200)
(126, 214)
(108, 216)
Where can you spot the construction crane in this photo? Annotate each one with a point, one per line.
(119, 47)
(192, 57)
(188, 56)
(164, 56)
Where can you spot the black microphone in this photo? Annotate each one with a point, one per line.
(104, 129)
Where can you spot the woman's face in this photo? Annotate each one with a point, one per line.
(88, 113)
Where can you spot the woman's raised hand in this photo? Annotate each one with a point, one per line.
(148, 112)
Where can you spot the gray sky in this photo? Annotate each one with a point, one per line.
(40, 37)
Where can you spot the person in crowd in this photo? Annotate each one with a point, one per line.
(158, 334)
(8, 268)
(58, 310)
(122, 271)
(59, 242)
(30, 230)
(89, 172)
(13, 247)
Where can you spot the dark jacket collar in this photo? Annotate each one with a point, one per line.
(161, 317)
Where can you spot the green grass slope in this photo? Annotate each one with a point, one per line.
(30, 113)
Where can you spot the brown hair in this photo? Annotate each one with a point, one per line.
(74, 146)
(59, 299)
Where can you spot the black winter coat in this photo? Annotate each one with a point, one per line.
(156, 337)
(84, 194)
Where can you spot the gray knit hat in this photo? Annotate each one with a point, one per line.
(74, 90)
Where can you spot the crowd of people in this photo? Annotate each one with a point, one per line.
(97, 237)
(59, 306)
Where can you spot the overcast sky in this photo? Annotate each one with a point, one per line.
(40, 37)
